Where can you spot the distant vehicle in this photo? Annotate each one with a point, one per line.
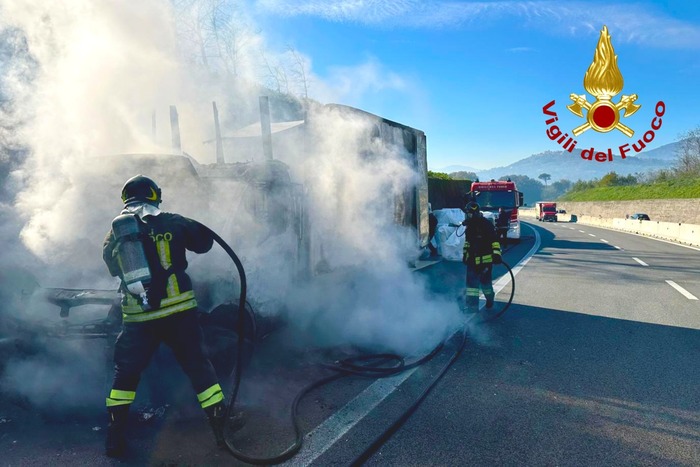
(546, 211)
(640, 217)
(500, 194)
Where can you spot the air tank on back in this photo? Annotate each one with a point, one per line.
(132, 257)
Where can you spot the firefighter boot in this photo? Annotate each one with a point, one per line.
(217, 420)
(115, 444)
(472, 306)
(489, 301)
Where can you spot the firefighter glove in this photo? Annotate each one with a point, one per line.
(497, 258)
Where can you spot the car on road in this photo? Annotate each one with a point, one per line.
(640, 217)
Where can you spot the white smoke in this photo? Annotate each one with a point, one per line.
(100, 70)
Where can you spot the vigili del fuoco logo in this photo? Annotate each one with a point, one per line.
(603, 80)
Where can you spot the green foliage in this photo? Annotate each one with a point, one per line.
(463, 175)
(440, 175)
(531, 188)
(680, 181)
(560, 187)
(545, 177)
(613, 179)
(688, 156)
(610, 179)
(672, 188)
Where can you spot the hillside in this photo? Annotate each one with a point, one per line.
(679, 188)
(455, 168)
(565, 165)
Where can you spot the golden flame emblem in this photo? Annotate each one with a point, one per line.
(604, 81)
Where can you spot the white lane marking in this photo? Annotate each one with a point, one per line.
(582, 231)
(617, 247)
(317, 441)
(650, 238)
(321, 438)
(684, 292)
(529, 254)
(591, 235)
(640, 261)
(604, 240)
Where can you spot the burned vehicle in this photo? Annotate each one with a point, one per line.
(263, 200)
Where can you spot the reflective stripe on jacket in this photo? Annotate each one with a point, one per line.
(481, 241)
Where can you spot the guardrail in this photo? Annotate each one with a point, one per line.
(688, 234)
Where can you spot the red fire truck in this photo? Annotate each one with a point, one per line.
(500, 194)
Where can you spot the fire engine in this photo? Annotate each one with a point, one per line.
(493, 195)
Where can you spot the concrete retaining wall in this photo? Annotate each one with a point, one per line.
(686, 211)
(685, 233)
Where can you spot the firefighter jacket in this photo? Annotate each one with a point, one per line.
(480, 242)
(503, 219)
(165, 238)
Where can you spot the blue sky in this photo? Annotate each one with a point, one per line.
(475, 75)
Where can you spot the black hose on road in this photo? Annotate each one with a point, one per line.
(372, 366)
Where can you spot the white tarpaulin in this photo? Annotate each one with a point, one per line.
(450, 240)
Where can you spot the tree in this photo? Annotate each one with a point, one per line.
(613, 179)
(556, 189)
(583, 185)
(440, 175)
(300, 70)
(215, 34)
(544, 177)
(530, 188)
(688, 155)
(609, 179)
(562, 186)
(463, 175)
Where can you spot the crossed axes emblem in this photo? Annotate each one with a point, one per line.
(626, 104)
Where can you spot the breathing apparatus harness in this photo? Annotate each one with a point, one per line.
(143, 280)
(371, 366)
(131, 255)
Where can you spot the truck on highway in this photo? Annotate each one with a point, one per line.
(269, 196)
(546, 211)
(494, 195)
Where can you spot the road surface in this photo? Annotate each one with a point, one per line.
(595, 363)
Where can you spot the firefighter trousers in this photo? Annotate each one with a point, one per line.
(478, 277)
(137, 343)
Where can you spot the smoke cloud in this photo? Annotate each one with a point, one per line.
(84, 81)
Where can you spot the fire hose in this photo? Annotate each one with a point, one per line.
(372, 366)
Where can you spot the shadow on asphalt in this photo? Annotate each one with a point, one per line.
(549, 387)
(541, 387)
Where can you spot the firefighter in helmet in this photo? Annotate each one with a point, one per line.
(502, 224)
(481, 251)
(146, 249)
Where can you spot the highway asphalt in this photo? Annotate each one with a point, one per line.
(595, 363)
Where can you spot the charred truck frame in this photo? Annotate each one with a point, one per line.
(268, 192)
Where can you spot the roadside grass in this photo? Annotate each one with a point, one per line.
(679, 188)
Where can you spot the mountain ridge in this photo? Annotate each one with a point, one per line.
(564, 165)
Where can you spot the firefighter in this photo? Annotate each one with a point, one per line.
(158, 307)
(481, 251)
(502, 224)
